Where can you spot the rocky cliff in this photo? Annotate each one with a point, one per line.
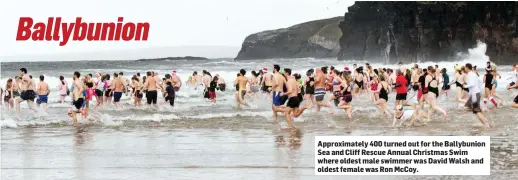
(428, 31)
(318, 39)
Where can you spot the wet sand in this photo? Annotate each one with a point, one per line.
(218, 148)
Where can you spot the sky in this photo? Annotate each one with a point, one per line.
(174, 23)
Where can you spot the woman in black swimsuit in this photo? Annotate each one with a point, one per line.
(433, 92)
(345, 102)
(358, 80)
(383, 89)
(309, 88)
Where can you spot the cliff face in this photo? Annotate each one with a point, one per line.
(425, 31)
(318, 39)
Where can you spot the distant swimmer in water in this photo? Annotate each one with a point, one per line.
(43, 93)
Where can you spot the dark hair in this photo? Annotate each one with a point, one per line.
(242, 71)
(138, 74)
(336, 72)
(309, 72)
(30, 76)
(169, 83)
(107, 77)
(144, 79)
(90, 84)
(297, 76)
(443, 70)
(121, 73)
(115, 75)
(215, 78)
(23, 70)
(287, 70)
(167, 76)
(90, 75)
(42, 78)
(276, 67)
(469, 66)
(324, 70)
(332, 68)
(148, 73)
(61, 78)
(77, 74)
(376, 72)
(238, 74)
(194, 73)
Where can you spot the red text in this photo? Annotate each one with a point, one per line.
(55, 30)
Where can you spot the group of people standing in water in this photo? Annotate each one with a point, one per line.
(415, 88)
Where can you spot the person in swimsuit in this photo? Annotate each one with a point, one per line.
(99, 89)
(254, 83)
(170, 93)
(150, 86)
(488, 84)
(78, 99)
(8, 95)
(27, 93)
(213, 86)
(241, 82)
(266, 81)
(43, 93)
(432, 85)
(118, 90)
(108, 90)
(292, 106)
(221, 83)
(63, 89)
(278, 84)
(347, 97)
(383, 89)
(358, 80)
(373, 84)
(336, 89)
(445, 82)
(320, 92)
(309, 87)
(137, 94)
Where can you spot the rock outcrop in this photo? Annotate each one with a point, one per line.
(318, 39)
(428, 31)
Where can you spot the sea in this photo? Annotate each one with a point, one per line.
(197, 139)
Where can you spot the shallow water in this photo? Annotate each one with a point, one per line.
(229, 148)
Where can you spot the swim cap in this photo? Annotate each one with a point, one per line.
(346, 68)
(458, 68)
(265, 69)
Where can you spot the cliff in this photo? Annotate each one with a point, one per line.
(428, 31)
(318, 39)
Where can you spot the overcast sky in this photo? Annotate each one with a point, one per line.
(173, 23)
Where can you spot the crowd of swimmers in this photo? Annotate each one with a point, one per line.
(417, 90)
